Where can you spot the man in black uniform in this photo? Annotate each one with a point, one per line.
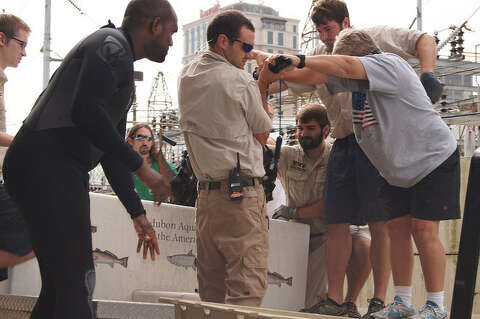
(77, 122)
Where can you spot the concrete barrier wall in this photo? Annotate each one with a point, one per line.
(288, 253)
(120, 271)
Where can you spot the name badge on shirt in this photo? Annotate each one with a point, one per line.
(298, 166)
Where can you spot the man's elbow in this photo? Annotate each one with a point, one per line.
(426, 41)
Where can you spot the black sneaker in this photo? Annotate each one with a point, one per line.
(312, 309)
(374, 305)
(330, 307)
(352, 310)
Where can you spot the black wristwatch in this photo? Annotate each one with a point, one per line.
(301, 65)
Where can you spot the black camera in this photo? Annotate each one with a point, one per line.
(270, 164)
(184, 185)
(281, 63)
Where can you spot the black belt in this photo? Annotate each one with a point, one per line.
(216, 185)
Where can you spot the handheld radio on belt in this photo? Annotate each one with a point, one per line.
(235, 182)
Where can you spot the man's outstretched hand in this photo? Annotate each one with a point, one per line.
(146, 237)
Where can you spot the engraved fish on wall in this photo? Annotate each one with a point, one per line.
(274, 278)
(108, 258)
(184, 260)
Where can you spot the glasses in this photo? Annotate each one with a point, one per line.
(23, 44)
(245, 46)
(140, 137)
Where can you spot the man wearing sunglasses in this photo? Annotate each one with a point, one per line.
(222, 117)
(15, 246)
(141, 139)
(78, 122)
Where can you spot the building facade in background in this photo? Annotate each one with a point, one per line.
(273, 33)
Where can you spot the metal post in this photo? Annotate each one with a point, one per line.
(46, 44)
(419, 15)
(280, 111)
(476, 46)
(469, 249)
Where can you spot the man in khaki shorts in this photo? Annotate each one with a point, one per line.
(221, 115)
(302, 170)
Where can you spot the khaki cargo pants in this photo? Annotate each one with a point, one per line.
(232, 246)
(316, 289)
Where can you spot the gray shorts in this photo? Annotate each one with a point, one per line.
(360, 231)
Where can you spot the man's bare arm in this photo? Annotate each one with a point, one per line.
(343, 66)
(426, 53)
(5, 139)
(314, 210)
(305, 76)
(165, 169)
(263, 87)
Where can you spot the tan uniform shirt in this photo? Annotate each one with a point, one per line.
(400, 41)
(220, 110)
(3, 80)
(303, 181)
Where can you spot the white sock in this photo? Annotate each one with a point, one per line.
(404, 292)
(436, 297)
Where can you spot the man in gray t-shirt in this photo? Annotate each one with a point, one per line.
(394, 121)
(352, 181)
(407, 141)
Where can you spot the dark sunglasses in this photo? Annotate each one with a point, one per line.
(245, 46)
(23, 44)
(140, 137)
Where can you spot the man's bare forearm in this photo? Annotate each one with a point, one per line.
(311, 211)
(5, 139)
(426, 53)
(264, 87)
(165, 169)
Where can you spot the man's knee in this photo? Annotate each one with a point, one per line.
(378, 229)
(401, 226)
(336, 230)
(424, 229)
(247, 286)
(211, 284)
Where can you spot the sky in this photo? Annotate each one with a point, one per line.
(69, 25)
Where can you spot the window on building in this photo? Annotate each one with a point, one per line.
(198, 38)
(294, 28)
(249, 68)
(204, 36)
(280, 51)
(187, 42)
(280, 38)
(266, 24)
(294, 42)
(270, 37)
(279, 26)
(192, 41)
(270, 51)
